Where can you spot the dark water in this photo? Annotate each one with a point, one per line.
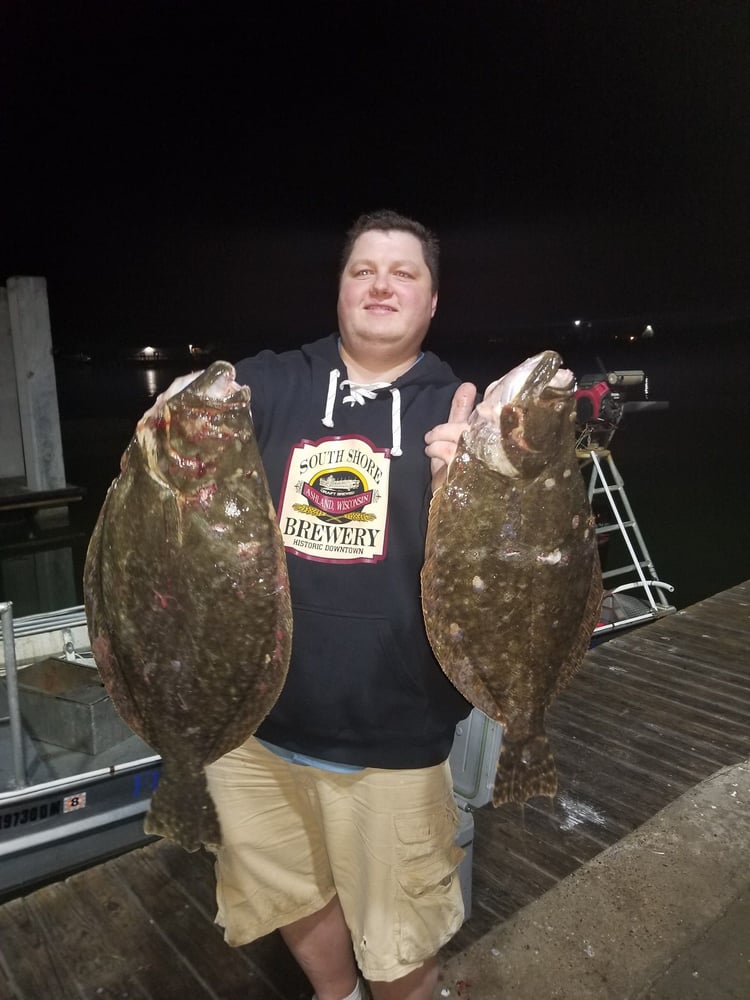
(685, 468)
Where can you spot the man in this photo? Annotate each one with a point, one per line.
(338, 818)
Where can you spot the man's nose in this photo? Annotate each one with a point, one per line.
(381, 284)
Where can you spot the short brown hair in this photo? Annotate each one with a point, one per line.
(386, 220)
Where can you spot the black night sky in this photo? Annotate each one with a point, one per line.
(185, 171)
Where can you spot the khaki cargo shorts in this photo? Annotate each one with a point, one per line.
(294, 836)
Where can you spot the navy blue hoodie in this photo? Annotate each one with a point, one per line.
(351, 485)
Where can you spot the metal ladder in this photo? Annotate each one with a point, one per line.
(641, 596)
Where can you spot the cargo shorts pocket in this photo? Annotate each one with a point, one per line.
(429, 905)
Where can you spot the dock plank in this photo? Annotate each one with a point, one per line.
(619, 713)
(117, 949)
(188, 931)
(27, 965)
(664, 743)
(650, 714)
(194, 874)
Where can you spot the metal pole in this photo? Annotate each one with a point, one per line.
(14, 708)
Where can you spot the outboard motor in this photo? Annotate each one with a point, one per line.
(601, 405)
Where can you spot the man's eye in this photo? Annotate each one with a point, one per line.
(403, 274)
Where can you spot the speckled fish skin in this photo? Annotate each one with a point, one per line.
(187, 595)
(511, 583)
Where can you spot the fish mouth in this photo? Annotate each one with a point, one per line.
(210, 407)
(215, 388)
(561, 383)
(540, 377)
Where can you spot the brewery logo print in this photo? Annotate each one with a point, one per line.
(334, 500)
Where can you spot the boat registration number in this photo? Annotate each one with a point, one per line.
(42, 810)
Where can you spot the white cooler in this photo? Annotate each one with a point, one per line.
(473, 761)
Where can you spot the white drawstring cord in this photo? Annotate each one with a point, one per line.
(333, 381)
(396, 422)
(359, 393)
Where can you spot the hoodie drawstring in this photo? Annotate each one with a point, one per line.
(396, 422)
(359, 394)
(333, 381)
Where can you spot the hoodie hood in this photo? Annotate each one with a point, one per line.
(428, 369)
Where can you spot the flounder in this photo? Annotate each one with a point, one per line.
(511, 583)
(187, 596)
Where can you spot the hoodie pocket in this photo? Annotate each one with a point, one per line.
(349, 674)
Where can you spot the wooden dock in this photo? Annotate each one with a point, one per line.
(651, 714)
(17, 498)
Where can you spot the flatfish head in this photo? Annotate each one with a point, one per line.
(511, 582)
(186, 593)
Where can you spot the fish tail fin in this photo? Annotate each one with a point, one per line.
(524, 770)
(182, 810)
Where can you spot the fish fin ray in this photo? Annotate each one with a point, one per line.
(183, 811)
(524, 770)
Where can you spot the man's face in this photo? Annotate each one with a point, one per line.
(385, 293)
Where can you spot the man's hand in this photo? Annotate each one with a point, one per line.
(442, 440)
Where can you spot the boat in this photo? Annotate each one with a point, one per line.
(75, 782)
